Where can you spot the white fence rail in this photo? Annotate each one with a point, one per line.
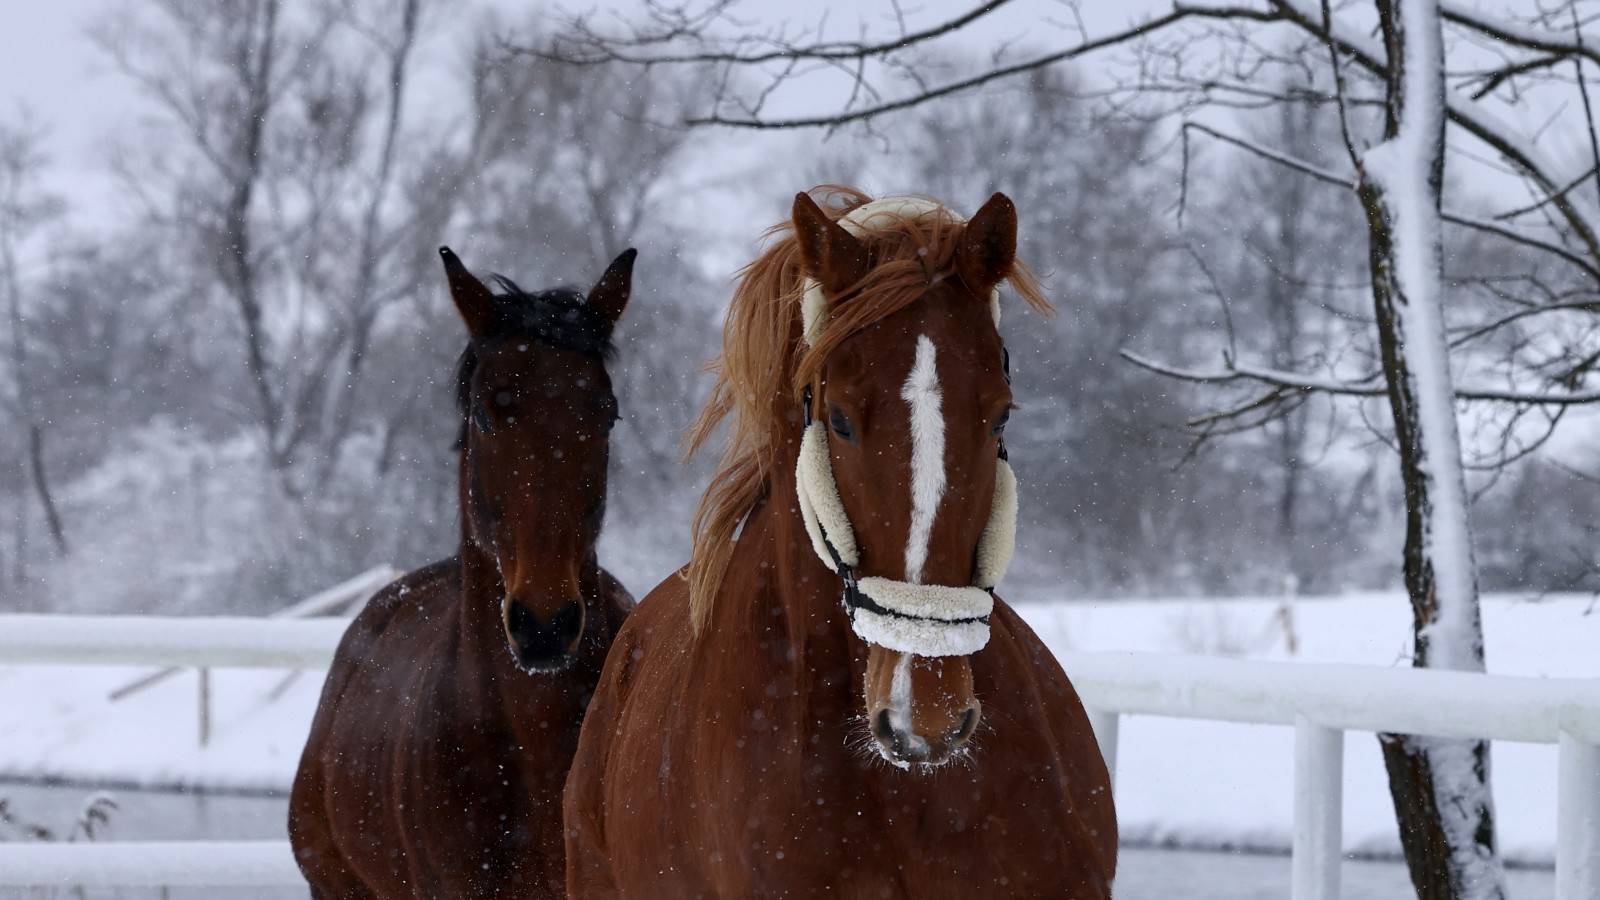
(1323, 701)
(150, 864)
(1319, 701)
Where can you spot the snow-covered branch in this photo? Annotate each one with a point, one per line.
(1369, 386)
(1463, 112)
(1576, 44)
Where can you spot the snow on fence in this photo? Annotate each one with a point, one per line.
(1319, 701)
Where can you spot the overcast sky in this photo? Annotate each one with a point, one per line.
(49, 66)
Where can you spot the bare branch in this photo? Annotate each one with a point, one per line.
(998, 73)
(606, 50)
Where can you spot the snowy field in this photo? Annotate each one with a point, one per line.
(1189, 784)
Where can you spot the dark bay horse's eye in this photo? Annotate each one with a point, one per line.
(480, 418)
(840, 424)
(1000, 423)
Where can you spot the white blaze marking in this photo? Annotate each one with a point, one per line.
(927, 454)
(900, 695)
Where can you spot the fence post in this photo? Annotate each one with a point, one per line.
(205, 707)
(1577, 820)
(1105, 723)
(1318, 810)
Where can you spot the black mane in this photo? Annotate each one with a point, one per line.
(560, 317)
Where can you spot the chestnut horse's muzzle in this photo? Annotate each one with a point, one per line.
(544, 645)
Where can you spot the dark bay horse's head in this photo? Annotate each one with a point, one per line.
(915, 405)
(537, 410)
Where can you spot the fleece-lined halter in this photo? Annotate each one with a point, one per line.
(921, 619)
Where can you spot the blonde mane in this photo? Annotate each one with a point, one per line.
(765, 365)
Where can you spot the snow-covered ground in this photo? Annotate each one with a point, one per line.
(1178, 782)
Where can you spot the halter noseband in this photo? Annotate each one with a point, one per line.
(921, 619)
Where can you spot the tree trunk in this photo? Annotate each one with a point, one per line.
(41, 486)
(364, 305)
(1440, 786)
(243, 170)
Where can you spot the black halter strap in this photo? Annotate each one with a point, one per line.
(1005, 363)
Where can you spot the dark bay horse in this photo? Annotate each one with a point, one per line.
(752, 736)
(449, 718)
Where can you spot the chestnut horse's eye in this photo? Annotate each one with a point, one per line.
(840, 424)
(1000, 423)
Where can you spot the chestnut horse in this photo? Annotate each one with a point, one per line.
(752, 736)
(449, 718)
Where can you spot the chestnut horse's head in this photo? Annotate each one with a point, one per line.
(902, 476)
(537, 410)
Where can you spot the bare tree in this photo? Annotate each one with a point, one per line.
(288, 125)
(25, 207)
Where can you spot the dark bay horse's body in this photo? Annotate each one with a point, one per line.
(746, 742)
(441, 744)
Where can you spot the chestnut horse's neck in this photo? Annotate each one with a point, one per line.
(805, 592)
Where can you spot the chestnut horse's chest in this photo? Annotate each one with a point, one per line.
(763, 787)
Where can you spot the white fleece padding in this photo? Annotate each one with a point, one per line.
(920, 637)
(928, 601)
(934, 631)
(877, 214)
(999, 538)
(820, 505)
(883, 213)
(813, 312)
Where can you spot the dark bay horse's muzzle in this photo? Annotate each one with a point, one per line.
(544, 645)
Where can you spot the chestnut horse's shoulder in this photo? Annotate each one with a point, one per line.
(1071, 733)
(1040, 660)
(640, 659)
(662, 615)
(619, 601)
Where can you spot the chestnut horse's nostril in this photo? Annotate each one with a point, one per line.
(542, 646)
(969, 724)
(900, 745)
(883, 729)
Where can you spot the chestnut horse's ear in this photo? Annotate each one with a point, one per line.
(833, 256)
(474, 301)
(610, 294)
(988, 248)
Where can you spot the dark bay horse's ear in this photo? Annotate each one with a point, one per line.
(830, 254)
(988, 248)
(610, 294)
(473, 300)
